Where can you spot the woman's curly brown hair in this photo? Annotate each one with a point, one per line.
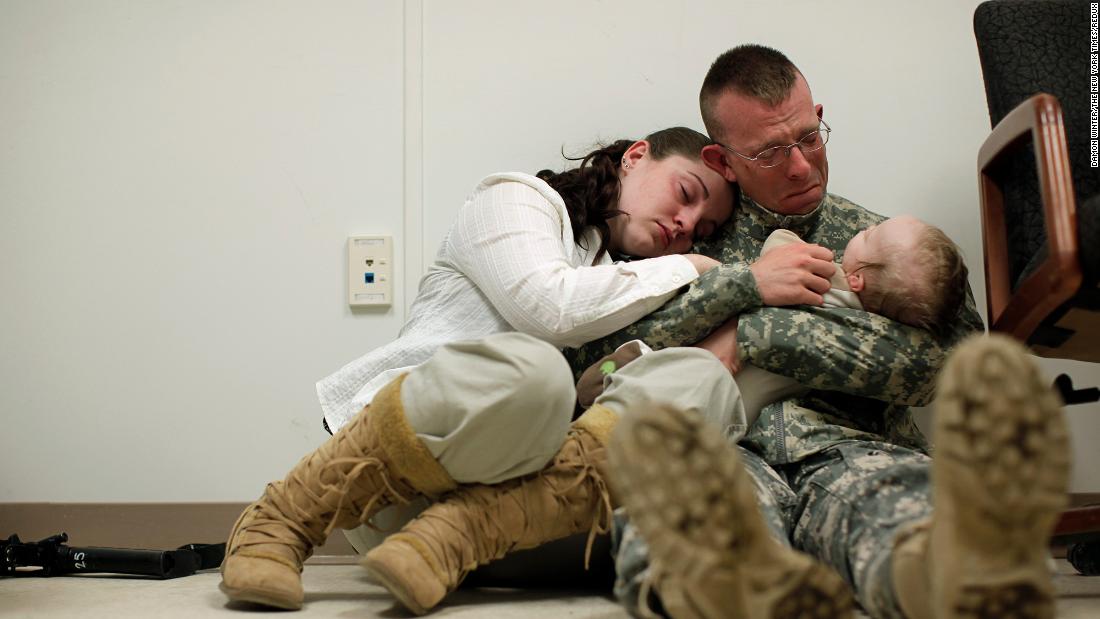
(591, 190)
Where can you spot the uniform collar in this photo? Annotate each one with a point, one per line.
(759, 222)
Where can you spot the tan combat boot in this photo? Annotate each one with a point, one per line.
(1000, 473)
(373, 461)
(479, 523)
(711, 553)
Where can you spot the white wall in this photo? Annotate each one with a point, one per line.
(177, 181)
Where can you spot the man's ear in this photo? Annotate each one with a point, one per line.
(856, 282)
(820, 109)
(634, 154)
(715, 158)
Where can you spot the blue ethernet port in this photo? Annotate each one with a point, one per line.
(368, 278)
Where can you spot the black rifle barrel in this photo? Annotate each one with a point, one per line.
(54, 558)
(161, 563)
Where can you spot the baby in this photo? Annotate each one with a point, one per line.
(903, 269)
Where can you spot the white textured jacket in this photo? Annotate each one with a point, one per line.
(509, 263)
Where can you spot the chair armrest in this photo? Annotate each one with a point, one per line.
(1059, 276)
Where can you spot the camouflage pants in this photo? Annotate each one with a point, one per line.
(843, 506)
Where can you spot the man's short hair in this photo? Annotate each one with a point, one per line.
(751, 70)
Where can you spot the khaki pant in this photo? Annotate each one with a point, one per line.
(500, 407)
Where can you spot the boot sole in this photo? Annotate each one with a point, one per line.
(687, 492)
(379, 572)
(1001, 470)
(253, 596)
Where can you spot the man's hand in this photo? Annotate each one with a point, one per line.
(723, 344)
(795, 274)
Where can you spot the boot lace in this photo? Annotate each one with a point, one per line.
(291, 513)
(481, 523)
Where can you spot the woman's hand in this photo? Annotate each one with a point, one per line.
(723, 344)
(702, 263)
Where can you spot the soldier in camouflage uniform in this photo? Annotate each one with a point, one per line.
(842, 473)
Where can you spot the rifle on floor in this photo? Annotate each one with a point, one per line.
(53, 558)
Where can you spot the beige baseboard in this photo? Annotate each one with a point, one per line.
(160, 526)
(170, 525)
(1080, 499)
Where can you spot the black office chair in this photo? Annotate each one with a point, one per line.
(1040, 199)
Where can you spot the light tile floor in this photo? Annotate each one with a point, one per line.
(341, 591)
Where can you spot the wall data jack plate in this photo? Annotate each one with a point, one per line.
(370, 271)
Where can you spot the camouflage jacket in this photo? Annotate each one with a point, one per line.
(864, 370)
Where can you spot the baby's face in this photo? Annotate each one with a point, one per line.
(892, 239)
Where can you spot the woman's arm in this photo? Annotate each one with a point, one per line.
(514, 244)
(710, 301)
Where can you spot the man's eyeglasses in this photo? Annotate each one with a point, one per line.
(769, 157)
